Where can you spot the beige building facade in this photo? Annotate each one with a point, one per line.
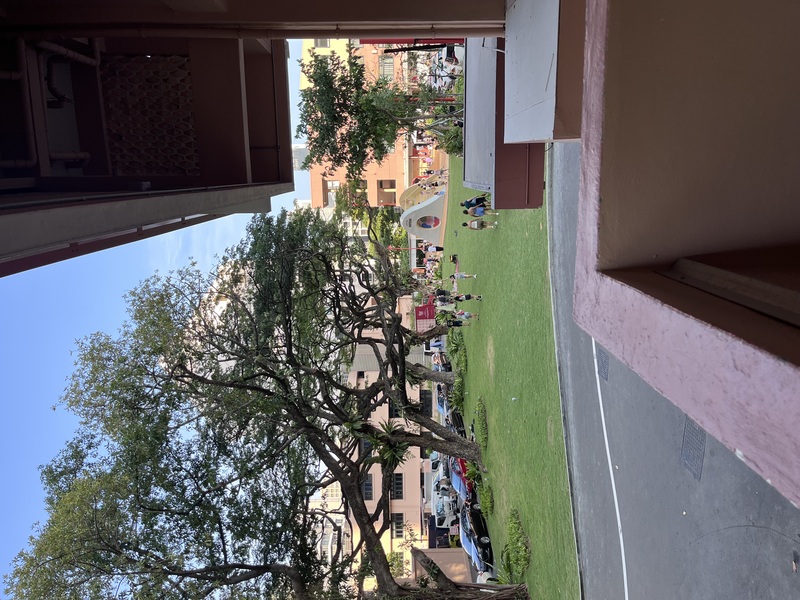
(408, 509)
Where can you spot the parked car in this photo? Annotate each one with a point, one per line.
(463, 486)
(442, 473)
(436, 461)
(475, 539)
(446, 510)
(442, 537)
(455, 422)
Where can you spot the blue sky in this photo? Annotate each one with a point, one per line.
(46, 310)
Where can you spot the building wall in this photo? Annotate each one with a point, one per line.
(669, 171)
(411, 504)
(306, 18)
(157, 134)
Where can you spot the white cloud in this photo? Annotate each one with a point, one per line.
(203, 243)
(207, 242)
(164, 251)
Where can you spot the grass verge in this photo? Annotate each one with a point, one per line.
(512, 365)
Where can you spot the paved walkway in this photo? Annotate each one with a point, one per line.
(647, 527)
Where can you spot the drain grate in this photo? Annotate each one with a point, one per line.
(602, 363)
(693, 449)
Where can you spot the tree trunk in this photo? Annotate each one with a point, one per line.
(452, 445)
(423, 372)
(449, 589)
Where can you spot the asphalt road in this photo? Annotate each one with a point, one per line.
(647, 527)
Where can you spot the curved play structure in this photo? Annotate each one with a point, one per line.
(427, 219)
(416, 194)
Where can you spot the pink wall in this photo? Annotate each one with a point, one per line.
(689, 146)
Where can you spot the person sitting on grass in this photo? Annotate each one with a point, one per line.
(463, 297)
(479, 224)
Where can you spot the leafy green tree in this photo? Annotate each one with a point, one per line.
(350, 120)
(214, 416)
(351, 199)
(172, 489)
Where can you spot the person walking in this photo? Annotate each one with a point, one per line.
(474, 201)
(477, 224)
(479, 211)
(464, 315)
(458, 323)
(455, 276)
(445, 307)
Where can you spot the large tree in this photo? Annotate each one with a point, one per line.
(218, 411)
(350, 119)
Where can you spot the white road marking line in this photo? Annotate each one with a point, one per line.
(611, 472)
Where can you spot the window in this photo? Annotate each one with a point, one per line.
(366, 487)
(398, 524)
(365, 447)
(426, 401)
(334, 492)
(386, 66)
(396, 491)
(394, 412)
(322, 43)
(330, 192)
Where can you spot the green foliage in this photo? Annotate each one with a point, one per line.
(486, 494)
(456, 351)
(388, 453)
(345, 118)
(211, 419)
(386, 228)
(481, 424)
(449, 135)
(457, 393)
(351, 199)
(451, 140)
(516, 555)
(350, 121)
(397, 564)
(473, 472)
(172, 479)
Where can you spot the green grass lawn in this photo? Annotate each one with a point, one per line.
(511, 354)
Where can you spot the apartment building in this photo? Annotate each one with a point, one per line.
(408, 510)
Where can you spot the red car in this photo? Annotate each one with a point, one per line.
(461, 484)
